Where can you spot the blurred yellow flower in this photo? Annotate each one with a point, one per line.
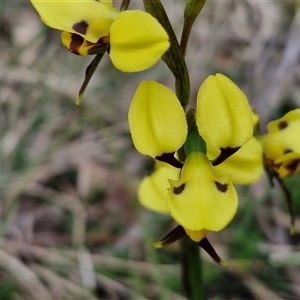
(281, 145)
(136, 40)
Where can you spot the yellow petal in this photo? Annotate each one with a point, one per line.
(107, 2)
(290, 118)
(196, 235)
(156, 119)
(224, 117)
(89, 18)
(255, 119)
(152, 192)
(137, 41)
(199, 199)
(245, 166)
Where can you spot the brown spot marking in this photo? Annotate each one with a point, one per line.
(170, 159)
(81, 27)
(76, 42)
(286, 151)
(283, 125)
(221, 187)
(292, 166)
(178, 190)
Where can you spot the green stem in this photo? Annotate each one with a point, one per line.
(192, 10)
(173, 57)
(191, 266)
(288, 199)
(124, 5)
(187, 28)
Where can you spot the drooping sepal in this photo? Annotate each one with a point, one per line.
(206, 245)
(88, 75)
(174, 235)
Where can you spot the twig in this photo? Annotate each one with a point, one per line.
(25, 276)
(62, 283)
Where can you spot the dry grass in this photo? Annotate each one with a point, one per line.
(71, 226)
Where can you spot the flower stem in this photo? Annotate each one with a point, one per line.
(191, 266)
(192, 10)
(173, 57)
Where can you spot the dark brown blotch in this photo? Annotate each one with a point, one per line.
(286, 151)
(81, 27)
(225, 153)
(292, 166)
(178, 190)
(76, 43)
(221, 187)
(283, 125)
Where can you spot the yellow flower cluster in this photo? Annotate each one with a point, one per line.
(198, 155)
(282, 144)
(201, 196)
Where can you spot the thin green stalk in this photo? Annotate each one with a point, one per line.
(124, 5)
(173, 57)
(191, 267)
(192, 10)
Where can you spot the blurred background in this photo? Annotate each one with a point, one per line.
(71, 226)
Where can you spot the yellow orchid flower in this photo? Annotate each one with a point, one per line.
(281, 147)
(136, 39)
(245, 167)
(201, 198)
(281, 144)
